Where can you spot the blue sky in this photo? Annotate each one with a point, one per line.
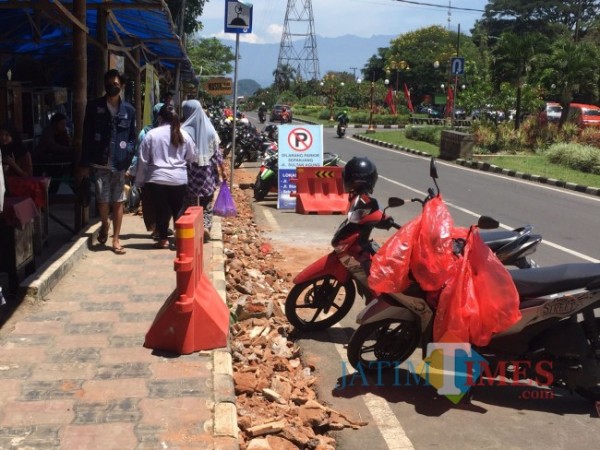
(334, 18)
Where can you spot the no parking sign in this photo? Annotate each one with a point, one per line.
(299, 146)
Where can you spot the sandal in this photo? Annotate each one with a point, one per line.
(162, 244)
(119, 250)
(103, 235)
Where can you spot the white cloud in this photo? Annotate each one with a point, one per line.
(333, 18)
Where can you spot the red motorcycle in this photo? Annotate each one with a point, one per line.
(324, 292)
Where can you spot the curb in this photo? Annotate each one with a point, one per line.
(487, 167)
(225, 423)
(37, 285)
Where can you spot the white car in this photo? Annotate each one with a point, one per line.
(553, 111)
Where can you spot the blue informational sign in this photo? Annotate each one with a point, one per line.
(457, 65)
(238, 16)
(299, 146)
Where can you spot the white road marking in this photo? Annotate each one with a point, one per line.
(271, 219)
(506, 227)
(497, 175)
(386, 421)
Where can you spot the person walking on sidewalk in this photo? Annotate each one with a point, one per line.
(162, 169)
(109, 135)
(203, 174)
(148, 207)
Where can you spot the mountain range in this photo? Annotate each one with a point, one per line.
(341, 54)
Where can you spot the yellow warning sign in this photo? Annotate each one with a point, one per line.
(324, 174)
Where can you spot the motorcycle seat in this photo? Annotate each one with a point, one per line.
(496, 239)
(539, 281)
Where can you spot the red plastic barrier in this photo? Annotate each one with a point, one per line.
(320, 190)
(194, 317)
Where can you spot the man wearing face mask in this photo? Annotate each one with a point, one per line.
(109, 136)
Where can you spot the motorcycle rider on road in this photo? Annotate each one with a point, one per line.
(343, 118)
(262, 111)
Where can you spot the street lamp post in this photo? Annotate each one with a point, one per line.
(330, 89)
(371, 129)
(396, 66)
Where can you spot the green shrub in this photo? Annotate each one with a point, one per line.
(425, 134)
(568, 133)
(584, 158)
(589, 136)
(484, 137)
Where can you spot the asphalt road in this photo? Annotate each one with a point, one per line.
(416, 417)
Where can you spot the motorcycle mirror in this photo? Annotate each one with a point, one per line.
(487, 223)
(433, 169)
(394, 202)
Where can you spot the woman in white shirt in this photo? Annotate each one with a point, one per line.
(162, 169)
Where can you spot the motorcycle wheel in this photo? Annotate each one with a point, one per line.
(390, 340)
(261, 189)
(239, 159)
(592, 393)
(318, 304)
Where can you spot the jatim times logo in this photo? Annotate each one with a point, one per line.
(454, 368)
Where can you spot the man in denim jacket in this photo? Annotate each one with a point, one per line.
(109, 135)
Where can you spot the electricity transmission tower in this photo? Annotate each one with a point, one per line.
(294, 52)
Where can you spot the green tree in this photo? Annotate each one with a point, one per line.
(210, 57)
(544, 16)
(284, 77)
(420, 50)
(514, 56)
(571, 68)
(193, 10)
(374, 69)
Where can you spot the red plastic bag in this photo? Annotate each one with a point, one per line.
(432, 261)
(480, 300)
(224, 205)
(391, 263)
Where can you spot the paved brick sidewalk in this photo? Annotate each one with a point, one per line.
(74, 374)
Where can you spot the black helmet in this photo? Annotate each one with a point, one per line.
(271, 130)
(360, 175)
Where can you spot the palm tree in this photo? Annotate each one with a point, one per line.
(514, 56)
(284, 76)
(572, 68)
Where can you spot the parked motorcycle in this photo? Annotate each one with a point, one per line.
(249, 145)
(266, 180)
(559, 329)
(325, 291)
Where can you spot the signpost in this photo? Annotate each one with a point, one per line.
(238, 19)
(219, 86)
(299, 146)
(457, 65)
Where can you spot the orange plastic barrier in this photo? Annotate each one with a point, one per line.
(320, 190)
(194, 317)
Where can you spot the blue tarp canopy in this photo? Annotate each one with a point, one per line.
(42, 31)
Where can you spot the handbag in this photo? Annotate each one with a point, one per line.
(224, 205)
(133, 197)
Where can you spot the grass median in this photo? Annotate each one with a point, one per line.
(528, 163)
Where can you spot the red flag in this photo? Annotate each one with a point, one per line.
(407, 98)
(389, 100)
(450, 101)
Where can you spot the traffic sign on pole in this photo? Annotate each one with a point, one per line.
(238, 16)
(457, 65)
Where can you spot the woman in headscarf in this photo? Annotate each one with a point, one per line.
(203, 174)
(148, 208)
